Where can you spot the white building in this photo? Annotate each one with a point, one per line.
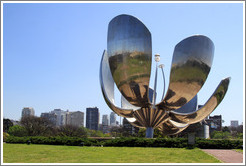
(112, 119)
(60, 117)
(50, 116)
(27, 111)
(105, 120)
(75, 118)
(234, 123)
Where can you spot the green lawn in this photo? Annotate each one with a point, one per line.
(239, 150)
(22, 153)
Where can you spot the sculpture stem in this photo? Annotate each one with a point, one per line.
(149, 132)
(155, 85)
(164, 83)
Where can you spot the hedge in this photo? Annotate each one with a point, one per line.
(219, 144)
(72, 141)
(143, 142)
(130, 142)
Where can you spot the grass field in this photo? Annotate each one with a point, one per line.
(22, 153)
(239, 150)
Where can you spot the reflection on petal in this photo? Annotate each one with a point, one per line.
(130, 52)
(192, 60)
(207, 109)
(177, 124)
(188, 107)
(126, 105)
(135, 123)
(150, 117)
(107, 86)
(168, 127)
(131, 119)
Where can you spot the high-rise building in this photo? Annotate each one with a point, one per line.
(112, 119)
(50, 116)
(105, 123)
(129, 128)
(60, 117)
(27, 111)
(75, 118)
(234, 123)
(92, 118)
(105, 120)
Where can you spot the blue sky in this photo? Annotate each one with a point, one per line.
(52, 52)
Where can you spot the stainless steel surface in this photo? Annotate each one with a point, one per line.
(191, 63)
(107, 87)
(128, 65)
(207, 109)
(189, 107)
(130, 52)
(168, 127)
(155, 85)
(162, 66)
(126, 105)
(150, 117)
(135, 123)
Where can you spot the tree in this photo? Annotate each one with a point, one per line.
(18, 131)
(141, 132)
(7, 124)
(116, 131)
(240, 136)
(158, 134)
(38, 126)
(96, 133)
(226, 129)
(220, 135)
(236, 131)
(72, 131)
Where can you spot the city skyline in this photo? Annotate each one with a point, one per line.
(51, 52)
(109, 116)
(70, 117)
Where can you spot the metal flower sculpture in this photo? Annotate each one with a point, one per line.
(127, 63)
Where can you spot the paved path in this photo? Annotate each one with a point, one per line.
(226, 156)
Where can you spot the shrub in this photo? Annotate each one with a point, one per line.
(143, 142)
(72, 141)
(130, 142)
(18, 131)
(218, 144)
(5, 136)
(13, 139)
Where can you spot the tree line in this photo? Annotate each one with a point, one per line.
(41, 126)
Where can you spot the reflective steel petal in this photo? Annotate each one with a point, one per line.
(150, 117)
(134, 122)
(107, 86)
(188, 107)
(192, 60)
(207, 109)
(171, 127)
(126, 105)
(130, 52)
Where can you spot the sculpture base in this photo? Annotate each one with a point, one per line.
(191, 138)
(149, 132)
